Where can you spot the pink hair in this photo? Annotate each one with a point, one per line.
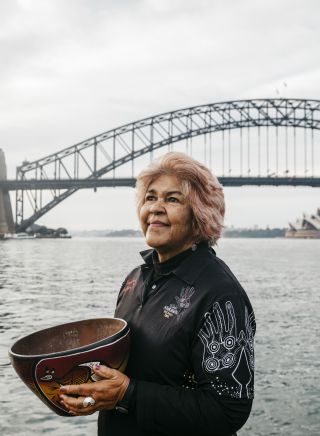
(199, 185)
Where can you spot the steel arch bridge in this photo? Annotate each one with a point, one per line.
(83, 164)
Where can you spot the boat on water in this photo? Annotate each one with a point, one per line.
(16, 236)
(22, 236)
(307, 227)
(19, 236)
(54, 236)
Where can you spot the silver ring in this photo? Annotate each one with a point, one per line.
(88, 401)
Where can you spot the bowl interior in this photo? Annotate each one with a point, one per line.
(68, 336)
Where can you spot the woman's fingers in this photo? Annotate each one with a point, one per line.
(72, 403)
(76, 407)
(75, 404)
(85, 389)
(105, 372)
(106, 392)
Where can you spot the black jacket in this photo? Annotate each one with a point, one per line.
(192, 350)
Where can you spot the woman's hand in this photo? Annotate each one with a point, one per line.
(106, 392)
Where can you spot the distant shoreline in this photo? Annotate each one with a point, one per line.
(228, 233)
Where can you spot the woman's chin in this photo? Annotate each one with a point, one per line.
(153, 241)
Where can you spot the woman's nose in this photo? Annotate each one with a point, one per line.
(157, 207)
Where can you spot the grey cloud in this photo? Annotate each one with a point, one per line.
(71, 69)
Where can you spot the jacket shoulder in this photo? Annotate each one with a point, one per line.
(220, 279)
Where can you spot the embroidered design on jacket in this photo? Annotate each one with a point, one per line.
(181, 304)
(225, 347)
(190, 381)
(129, 285)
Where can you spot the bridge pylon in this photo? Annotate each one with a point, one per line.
(6, 217)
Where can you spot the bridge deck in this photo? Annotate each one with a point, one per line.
(13, 185)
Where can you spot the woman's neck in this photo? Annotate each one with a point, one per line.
(166, 267)
(164, 256)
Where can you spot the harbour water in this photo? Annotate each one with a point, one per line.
(47, 282)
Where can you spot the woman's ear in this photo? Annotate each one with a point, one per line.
(195, 231)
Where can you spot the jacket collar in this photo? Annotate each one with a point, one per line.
(190, 268)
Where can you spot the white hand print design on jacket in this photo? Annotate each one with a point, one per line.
(225, 347)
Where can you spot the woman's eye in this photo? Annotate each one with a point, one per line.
(172, 200)
(150, 198)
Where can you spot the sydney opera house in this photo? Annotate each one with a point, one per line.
(306, 227)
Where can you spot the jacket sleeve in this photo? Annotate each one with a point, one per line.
(219, 400)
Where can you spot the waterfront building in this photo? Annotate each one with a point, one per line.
(306, 227)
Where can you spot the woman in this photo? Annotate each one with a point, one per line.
(190, 370)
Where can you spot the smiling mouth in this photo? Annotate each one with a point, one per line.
(157, 224)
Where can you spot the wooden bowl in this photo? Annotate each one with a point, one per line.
(65, 354)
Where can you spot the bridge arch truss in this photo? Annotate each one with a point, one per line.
(97, 160)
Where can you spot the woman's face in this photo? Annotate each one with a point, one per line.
(166, 217)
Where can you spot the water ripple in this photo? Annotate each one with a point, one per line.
(47, 282)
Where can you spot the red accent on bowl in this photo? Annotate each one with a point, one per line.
(65, 354)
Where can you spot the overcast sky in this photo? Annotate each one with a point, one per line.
(71, 69)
